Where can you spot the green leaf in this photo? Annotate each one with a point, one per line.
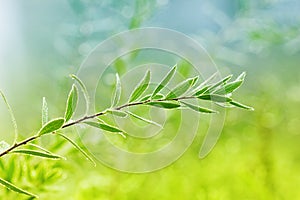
(198, 108)
(4, 146)
(156, 97)
(117, 93)
(225, 104)
(229, 87)
(39, 147)
(15, 188)
(84, 91)
(78, 148)
(201, 90)
(163, 104)
(165, 81)
(118, 113)
(232, 86)
(215, 98)
(104, 126)
(37, 153)
(198, 88)
(194, 81)
(237, 104)
(13, 119)
(145, 98)
(181, 88)
(241, 77)
(143, 119)
(142, 86)
(71, 103)
(52, 126)
(44, 111)
(217, 84)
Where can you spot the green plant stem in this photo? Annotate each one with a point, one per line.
(18, 144)
(32, 138)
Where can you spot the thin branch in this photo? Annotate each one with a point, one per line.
(18, 144)
(24, 142)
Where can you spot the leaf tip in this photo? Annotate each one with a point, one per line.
(72, 76)
(123, 134)
(175, 66)
(242, 76)
(251, 109)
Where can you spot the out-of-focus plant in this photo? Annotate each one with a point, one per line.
(252, 28)
(90, 23)
(177, 98)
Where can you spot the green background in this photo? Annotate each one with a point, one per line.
(257, 156)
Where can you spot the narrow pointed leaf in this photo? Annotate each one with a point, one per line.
(229, 87)
(225, 104)
(44, 111)
(78, 148)
(39, 147)
(71, 103)
(13, 119)
(217, 84)
(84, 91)
(143, 119)
(215, 98)
(140, 89)
(203, 84)
(158, 96)
(117, 93)
(165, 81)
(195, 79)
(15, 188)
(232, 86)
(118, 113)
(37, 153)
(145, 98)
(122, 134)
(201, 90)
(155, 97)
(241, 77)
(198, 108)
(237, 104)
(104, 127)
(52, 126)
(181, 88)
(166, 105)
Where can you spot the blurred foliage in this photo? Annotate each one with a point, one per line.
(257, 156)
(248, 29)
